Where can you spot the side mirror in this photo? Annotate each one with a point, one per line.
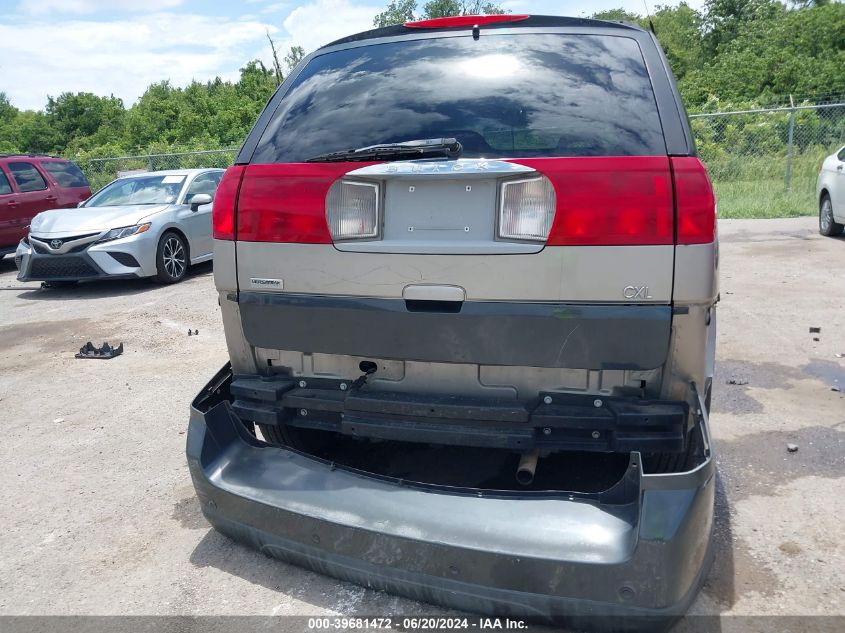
(200, 199)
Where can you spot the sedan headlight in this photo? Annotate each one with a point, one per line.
(126, 231)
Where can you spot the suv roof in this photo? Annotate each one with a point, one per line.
(31, 156)
(530, 21)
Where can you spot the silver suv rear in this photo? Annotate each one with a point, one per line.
(467, 270)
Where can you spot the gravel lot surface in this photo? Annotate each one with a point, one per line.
(99, 515)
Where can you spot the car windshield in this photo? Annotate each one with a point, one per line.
(148, 189)
(502, 96)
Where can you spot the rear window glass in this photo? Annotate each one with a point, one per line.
(66, 174)
(27, 177)
(513, 96)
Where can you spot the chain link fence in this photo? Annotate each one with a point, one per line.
(763, 162)
(101, 171)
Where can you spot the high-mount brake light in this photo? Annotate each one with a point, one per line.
(464, 20)
(225, 203)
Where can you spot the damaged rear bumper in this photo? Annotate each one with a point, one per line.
(631, 558)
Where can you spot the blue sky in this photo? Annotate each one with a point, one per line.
(121, 46)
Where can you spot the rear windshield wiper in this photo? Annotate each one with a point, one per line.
(428, 147)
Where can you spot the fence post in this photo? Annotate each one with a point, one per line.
(788, 179)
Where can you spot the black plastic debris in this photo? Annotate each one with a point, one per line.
(193, 333)
(815, 330)
(736, 381)
(106, 351)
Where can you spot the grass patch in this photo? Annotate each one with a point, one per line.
(753, 186)
(765, 198)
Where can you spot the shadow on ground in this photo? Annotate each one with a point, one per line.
(103, 288)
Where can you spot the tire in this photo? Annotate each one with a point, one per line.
(827, 225)
(305, 440)
(275, 435)
(172, 258)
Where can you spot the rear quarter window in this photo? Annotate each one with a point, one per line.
(5, 187)
(66, 174)
(27, 177)
(502, 96)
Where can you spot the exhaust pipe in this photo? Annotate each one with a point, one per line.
(527, 466)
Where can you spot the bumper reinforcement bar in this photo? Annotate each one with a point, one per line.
(553, 421)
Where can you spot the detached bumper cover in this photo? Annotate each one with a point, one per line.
(632, 558)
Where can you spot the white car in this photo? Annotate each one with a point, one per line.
(154, 224)
(830, 192)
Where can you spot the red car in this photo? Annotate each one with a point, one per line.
(30, 184)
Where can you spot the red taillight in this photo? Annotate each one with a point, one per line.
(225, 203)
(464, 20)
(694, 201)
(287, 202)
(609, 201)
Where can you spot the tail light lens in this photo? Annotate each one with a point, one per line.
(352, 210)
(526, 209)
(695, 202)
(225, 202)
(286, 203)
(609, 200)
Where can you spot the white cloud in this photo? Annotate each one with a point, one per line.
(276, 7)
(317, 23)
(121, 57)
(49, 54)
(41, 7)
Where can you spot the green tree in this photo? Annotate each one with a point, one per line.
(294, 56)
(8, 130)
(679, 31)
(799, 52)
(36, 134)
(396, 12)
(451, 8)
(153, 118)
(401, 11)
(84, 118)
(725, 19)
(257, 83)
(620, 15)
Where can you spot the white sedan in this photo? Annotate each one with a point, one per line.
(154, 224)
(830, 192)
